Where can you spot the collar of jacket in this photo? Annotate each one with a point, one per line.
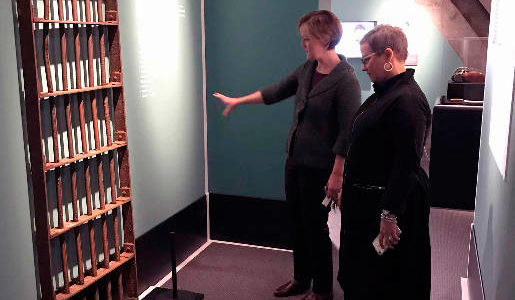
(332, 78)
(383, 87)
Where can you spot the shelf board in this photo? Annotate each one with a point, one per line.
(78, 91)
(55, 232)
(42, 20)
(65, 161)
(89, 280)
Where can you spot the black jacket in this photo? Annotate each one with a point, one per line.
(387, 141)
(322, 115)
(382, 171)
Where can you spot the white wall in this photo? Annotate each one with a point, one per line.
(162, 65)
(495, 197)
(17, 277)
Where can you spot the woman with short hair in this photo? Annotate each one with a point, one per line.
(385, 192)
(327, 94)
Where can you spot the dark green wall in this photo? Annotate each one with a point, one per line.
(250, 44)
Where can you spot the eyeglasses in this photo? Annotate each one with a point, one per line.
(366, 59)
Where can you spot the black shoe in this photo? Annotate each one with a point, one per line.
(291, 288)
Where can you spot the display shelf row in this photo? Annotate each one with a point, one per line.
(67, 226)
(90, 280)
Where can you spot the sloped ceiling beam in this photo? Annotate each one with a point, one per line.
(475, 14)
(487, 4)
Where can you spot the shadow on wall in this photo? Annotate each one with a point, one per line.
(25, 142)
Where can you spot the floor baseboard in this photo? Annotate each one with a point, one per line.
(249, 220)
(153, 248)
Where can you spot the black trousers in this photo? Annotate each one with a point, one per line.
(402, 273)
(312, 249)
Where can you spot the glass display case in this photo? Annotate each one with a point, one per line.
(472, 51)
(466, 85)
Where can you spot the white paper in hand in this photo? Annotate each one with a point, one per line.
(334, 224)
(326, 201)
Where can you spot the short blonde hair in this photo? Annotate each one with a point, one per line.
(323, 25)
(387, 36)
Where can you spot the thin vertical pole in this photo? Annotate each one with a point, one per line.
(74, 10)
(94, 293)
(46, 9)
(128, 230)
(64, 58)
(76, 37)
(59, 190)
(94, 112)
(80, 260)
(116, 224)
(55, 130)
(91, 70)
(101, 189)
(83, 124)
(102, 206)
(78, 70)
(64, 256)
(87, 3)
(71, 150)
(100, 11)
(101, 31)
(109, 292)
(112, 177)
(89, 204)
(120, 286)
(107, 120)
(105, 241)
(75, 202)
(90, 44)
(46, 57)
(93, 248)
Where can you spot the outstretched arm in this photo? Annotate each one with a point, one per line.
(285, 88)
(232, 103)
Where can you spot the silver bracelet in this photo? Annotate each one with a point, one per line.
(387, 216)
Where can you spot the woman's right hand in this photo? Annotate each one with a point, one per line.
(230, 103)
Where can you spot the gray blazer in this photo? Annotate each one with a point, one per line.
(322, 115)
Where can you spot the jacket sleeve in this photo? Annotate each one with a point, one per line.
(285, 88)
(406, 129)
(348, 100)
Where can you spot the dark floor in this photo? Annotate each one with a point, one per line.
(238, 272)
(225, 271)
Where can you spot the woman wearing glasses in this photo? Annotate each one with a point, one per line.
(327, 95)
(385, 189)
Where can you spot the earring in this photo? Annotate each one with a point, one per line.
(388, 66)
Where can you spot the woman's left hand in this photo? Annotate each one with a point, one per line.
(389, 234)
(334, 187)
